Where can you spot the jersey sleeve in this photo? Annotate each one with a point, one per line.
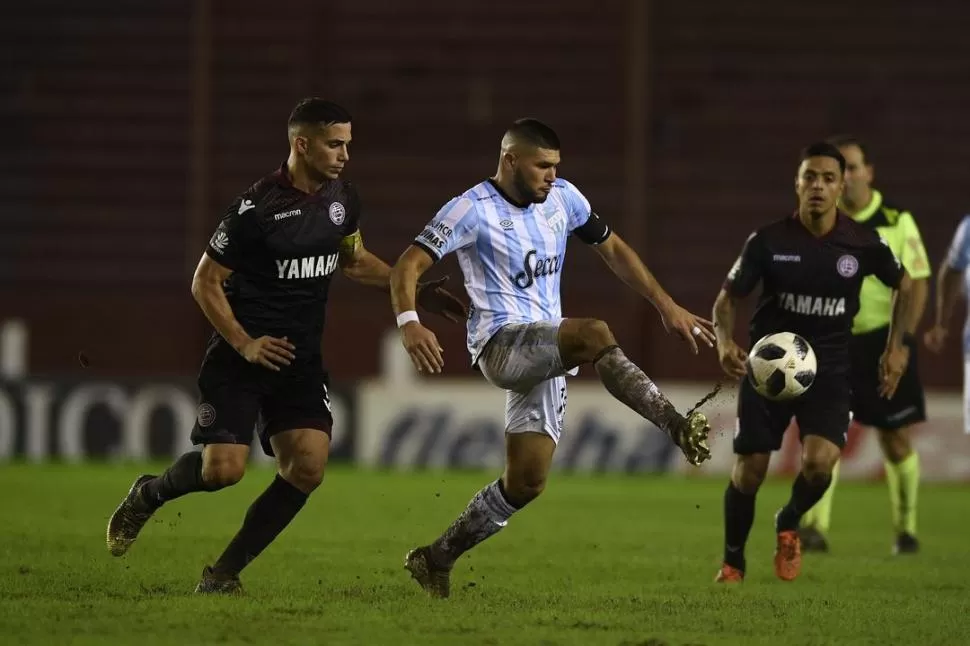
(352, 224)
(958, 256)
(454, 227)
(583, 222)
(913, 255)
(884, 264)
(236, 234)
(352, 239)
(748, 269)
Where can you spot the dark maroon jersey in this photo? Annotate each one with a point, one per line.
(283, 247)
(810, 286)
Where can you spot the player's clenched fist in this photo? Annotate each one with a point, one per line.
(269, 352)
(423, 347)
(733, 359)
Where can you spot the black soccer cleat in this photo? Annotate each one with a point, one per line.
(128, 519)
(906, 544)
(434, 578)
(813, 540)
(213, 583)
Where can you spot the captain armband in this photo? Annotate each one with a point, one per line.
(350, 244)
(594, 231)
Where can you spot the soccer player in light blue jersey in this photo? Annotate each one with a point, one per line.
(509, 234)
(952, 282)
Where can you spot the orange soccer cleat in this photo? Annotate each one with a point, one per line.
(788, 555)
(729, 574)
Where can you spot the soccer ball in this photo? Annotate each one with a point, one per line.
(781, 366)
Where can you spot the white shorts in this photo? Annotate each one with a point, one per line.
(523, 359)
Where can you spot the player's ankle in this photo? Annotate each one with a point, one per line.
(222, 572)
(440, 558)
(735, 560)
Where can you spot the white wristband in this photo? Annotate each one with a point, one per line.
(407, 317)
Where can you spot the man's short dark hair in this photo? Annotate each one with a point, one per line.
(824, 149)
(535, 133)
(314, 111)
(843, 140)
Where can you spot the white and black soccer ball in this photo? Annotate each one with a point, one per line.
(782, 366)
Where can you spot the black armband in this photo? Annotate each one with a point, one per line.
(594, 231)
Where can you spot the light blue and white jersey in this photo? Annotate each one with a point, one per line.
(511, 256)
(958, 258)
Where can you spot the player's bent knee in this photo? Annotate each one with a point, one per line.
(817, 469)
(748, 482)
(221, 474)
(748, 474)
(524, 488)
(586, 338)
(304, 475)
(223, 465)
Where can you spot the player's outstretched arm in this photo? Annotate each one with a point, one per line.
(420, 342)
(628, 267)
(208, 291)
(363, 267)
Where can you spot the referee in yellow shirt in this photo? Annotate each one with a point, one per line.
(891, 418)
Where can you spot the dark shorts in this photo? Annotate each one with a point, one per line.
(238, 399)
(908, 405)
(822, 411)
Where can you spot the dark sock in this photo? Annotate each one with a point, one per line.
(804, 495)
(487, 513)
(629, 384)
(738, 518)
(267, 517)
(184, 476)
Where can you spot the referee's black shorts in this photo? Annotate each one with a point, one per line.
(908, 405)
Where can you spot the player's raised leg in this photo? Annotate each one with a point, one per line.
(215, 467)
(591, 341)
(302, 457)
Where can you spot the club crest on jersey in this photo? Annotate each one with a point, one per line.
(207, 415)
(557, 222)
(337, 213)
(848, 266)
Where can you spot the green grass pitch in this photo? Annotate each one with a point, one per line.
(596, 560)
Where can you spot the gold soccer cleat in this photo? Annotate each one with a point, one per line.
(690, 434)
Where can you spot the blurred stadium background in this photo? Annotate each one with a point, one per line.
(127, 129)
(129, 126)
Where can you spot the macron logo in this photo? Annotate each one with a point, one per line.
(245, 205)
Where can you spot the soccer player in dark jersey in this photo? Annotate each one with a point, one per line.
(892, 418)
(263, 283)
(811, 266)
